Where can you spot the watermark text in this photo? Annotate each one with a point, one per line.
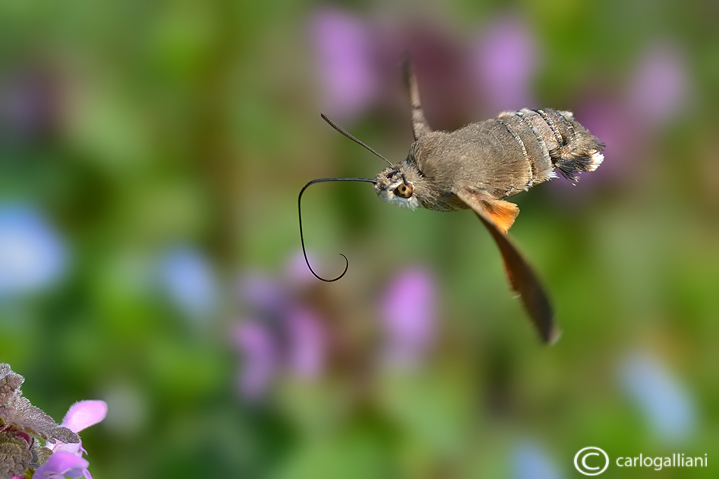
(592, 461)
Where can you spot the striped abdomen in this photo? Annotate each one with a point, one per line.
(552, 139)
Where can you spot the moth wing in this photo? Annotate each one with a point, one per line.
(502, 213)
(520, 274)
(420, 126)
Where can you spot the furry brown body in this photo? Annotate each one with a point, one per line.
(494, 159)
(477, 167)
(481, 164)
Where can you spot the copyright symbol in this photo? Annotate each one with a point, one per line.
(587, 464)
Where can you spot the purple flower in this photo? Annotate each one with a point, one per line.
(665, 402)
(282, 333)
(605, 119)
(189, 280)
(66, 459)
(260, 360)
(262, 294)
(29, 103)
(306, 354)
(84, 414)
(658, 90)
(409, 312)
(344, 50)
(296, 344)
(32, 254)
(62, 464)
(629, 120)
(504, 62)
(296, 272)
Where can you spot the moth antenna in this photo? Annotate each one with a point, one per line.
(299, 215)
(352, 137)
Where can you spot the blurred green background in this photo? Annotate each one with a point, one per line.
(150, 159)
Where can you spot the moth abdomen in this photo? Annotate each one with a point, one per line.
(553, 139)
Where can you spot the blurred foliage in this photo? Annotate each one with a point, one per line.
(135, 130)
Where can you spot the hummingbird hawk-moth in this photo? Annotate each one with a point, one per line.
(476, 167)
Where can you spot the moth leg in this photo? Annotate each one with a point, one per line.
(520, 274)
(420, 126)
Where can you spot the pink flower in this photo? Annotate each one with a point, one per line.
(282, 333)
(67, 459)
(84, 414)
(258, 349)
(659, 88)
(344, 52)
(504, 62)
(306, 354)
(409, 314)
(63, 463)
(629, 120)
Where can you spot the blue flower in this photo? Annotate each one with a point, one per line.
(32, 254)
(664, 401)
(530, 461)
(189, 281)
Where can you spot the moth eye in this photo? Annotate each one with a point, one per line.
(403, 191)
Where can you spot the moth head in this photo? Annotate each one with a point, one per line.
(394, 186)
